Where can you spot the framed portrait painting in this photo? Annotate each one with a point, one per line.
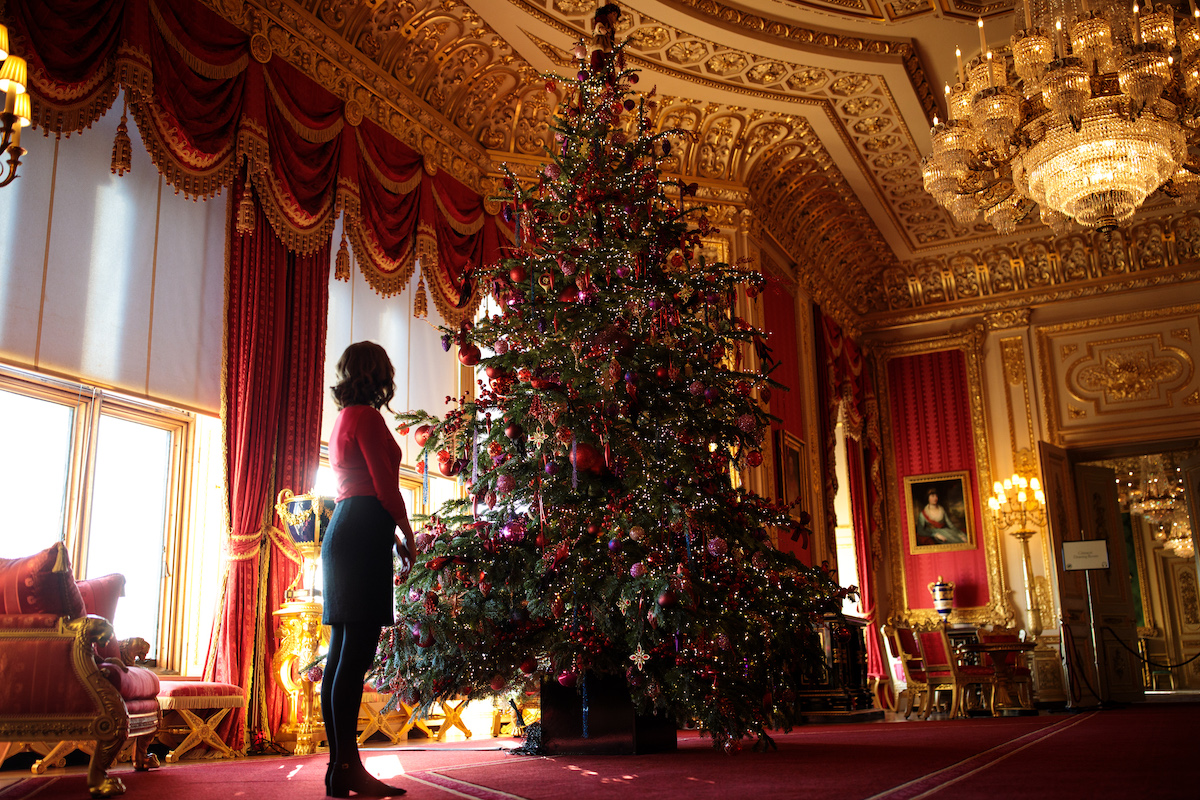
(940, 516)
(790, 472)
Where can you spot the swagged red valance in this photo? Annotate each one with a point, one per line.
(206, 107)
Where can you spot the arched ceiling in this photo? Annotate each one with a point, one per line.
(810, 118)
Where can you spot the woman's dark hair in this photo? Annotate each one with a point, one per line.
(365, 377)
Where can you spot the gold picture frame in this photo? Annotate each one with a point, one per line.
(941, 516)
(791, 473)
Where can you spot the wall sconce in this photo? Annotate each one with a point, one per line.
(13, 79)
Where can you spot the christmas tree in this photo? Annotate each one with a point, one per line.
(601, 531)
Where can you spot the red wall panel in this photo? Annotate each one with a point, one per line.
(779, 312)
(932, 432)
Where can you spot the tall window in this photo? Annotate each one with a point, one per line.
(109, 476)
(847, 558)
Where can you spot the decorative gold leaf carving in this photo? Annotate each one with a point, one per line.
(1075, 412)
(1130, 375)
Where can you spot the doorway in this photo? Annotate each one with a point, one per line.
(1161, 564)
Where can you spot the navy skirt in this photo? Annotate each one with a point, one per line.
(356, 563)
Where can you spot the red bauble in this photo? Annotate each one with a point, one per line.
(754, 458)
(514, 431)
(449, 467)
(469, 355)
(667, 598)
(529, 665)
(585, 457)
(497, 683)
(764, 394)
(517, 274)
(421, 435)
(568, 679)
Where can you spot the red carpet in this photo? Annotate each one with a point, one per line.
(1144, 751)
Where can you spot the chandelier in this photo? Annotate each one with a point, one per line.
(1156, 494)
(16, 113)
(1088, 110)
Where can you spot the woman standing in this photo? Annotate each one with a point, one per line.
(356, 555)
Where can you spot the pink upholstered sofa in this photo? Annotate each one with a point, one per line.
(60, 679)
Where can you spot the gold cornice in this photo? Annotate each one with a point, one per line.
(1153, 251)
(824, 101)
(311, 46)
(805, 37)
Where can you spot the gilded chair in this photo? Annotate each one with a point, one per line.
(902, 645)
(56, 685)
(944, 672)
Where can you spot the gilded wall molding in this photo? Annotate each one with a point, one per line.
(999, 610)
(1007, 318)
(1127, 376)
(1156, 251)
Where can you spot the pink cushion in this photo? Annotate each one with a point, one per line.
(100, 595)
(40, 584)
(179, 689)
(134, 683)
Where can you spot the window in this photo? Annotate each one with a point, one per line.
(847, 557)
(114, 478)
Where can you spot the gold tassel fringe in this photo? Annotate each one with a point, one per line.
(341, 265)
(244, 222)
(122, 155)
(420, 300)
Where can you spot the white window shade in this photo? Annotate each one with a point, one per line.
(425, 374)
(115, 281)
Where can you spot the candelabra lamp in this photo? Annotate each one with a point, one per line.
(13, 79)
(1019, 504)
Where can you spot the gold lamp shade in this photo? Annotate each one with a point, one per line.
(14, 73)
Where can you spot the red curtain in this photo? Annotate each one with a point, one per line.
(205, 105)
(275, 328)
(848, 389)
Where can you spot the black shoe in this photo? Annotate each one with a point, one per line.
(342, 781)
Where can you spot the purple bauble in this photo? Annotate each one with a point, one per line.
(637, 570)
(551, 468)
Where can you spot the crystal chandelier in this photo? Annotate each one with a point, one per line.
(1087, 111)
(1158, 499)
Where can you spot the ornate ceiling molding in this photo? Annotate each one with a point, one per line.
(312, 36)
(1152, 252)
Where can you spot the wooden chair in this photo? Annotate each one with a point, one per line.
(943, 671)
(902, 645)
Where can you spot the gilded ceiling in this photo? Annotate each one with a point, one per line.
(809, 120)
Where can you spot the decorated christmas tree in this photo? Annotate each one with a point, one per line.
(601, 531)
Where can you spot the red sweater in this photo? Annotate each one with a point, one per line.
(366, 459)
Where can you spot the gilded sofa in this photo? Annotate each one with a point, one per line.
(58, 685)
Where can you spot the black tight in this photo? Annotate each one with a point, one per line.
(351, 653)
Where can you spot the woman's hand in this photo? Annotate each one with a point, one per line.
(406, 556)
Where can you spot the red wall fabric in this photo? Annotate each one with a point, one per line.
(932, 433)
(779, 314)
